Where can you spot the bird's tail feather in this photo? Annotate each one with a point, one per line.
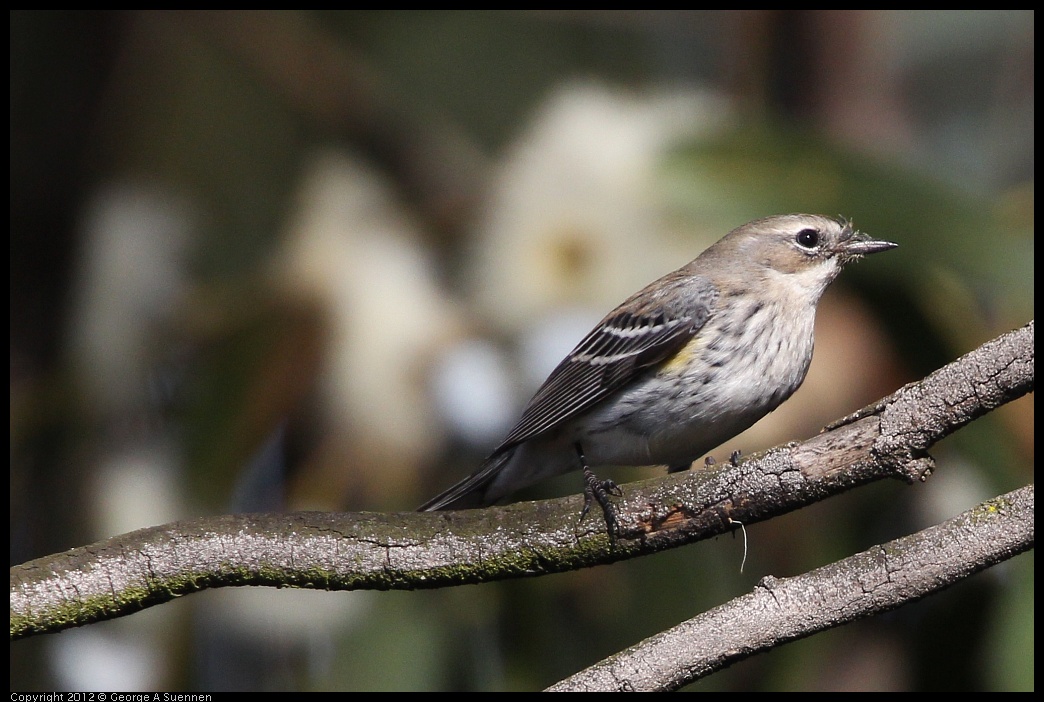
(472, 491)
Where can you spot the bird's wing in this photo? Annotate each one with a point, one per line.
(613, 354)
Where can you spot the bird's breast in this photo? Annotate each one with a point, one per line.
(737, 369)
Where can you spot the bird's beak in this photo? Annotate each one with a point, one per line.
(860, 244)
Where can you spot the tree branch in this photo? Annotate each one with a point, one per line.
(781, 610)
(424, 550)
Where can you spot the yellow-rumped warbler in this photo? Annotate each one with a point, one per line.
(681, 366)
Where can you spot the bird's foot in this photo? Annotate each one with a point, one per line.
(598, 490)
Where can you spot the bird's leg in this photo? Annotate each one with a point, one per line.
(598, 489)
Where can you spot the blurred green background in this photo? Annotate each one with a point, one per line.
(319, 260)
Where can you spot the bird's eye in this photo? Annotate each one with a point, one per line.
(808, 238)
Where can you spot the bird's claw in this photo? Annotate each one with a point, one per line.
(598, 490)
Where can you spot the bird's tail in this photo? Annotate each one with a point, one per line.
(472, 491)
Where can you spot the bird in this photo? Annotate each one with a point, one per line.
(683, 365)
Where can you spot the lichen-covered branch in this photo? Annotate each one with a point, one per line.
(782, 610)
(341, 551)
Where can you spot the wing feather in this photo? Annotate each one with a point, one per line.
(613, 354)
